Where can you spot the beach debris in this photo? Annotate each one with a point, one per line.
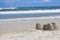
(38, 26)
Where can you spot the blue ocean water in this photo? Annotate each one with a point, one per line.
(31, 8)
(8, 16)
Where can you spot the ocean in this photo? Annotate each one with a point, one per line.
(30, 8)
(29, 13)
(9, 16)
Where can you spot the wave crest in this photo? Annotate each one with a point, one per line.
(30, 11)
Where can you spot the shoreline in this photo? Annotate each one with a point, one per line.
(31, 18)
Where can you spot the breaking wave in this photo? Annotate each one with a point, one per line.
(39, 14)
(30, 11)
(27, 10)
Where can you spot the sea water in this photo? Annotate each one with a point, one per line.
(29, 13)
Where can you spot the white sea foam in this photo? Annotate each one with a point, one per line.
(31, 11)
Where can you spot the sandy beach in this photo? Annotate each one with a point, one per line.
(34, 35)
(27, 31)
(29, 19)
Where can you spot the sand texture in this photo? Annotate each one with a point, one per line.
(27, 31)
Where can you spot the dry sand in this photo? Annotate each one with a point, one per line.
(27, 31)
(34, 35)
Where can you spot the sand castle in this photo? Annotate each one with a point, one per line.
(48, 26)
(38, 26)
